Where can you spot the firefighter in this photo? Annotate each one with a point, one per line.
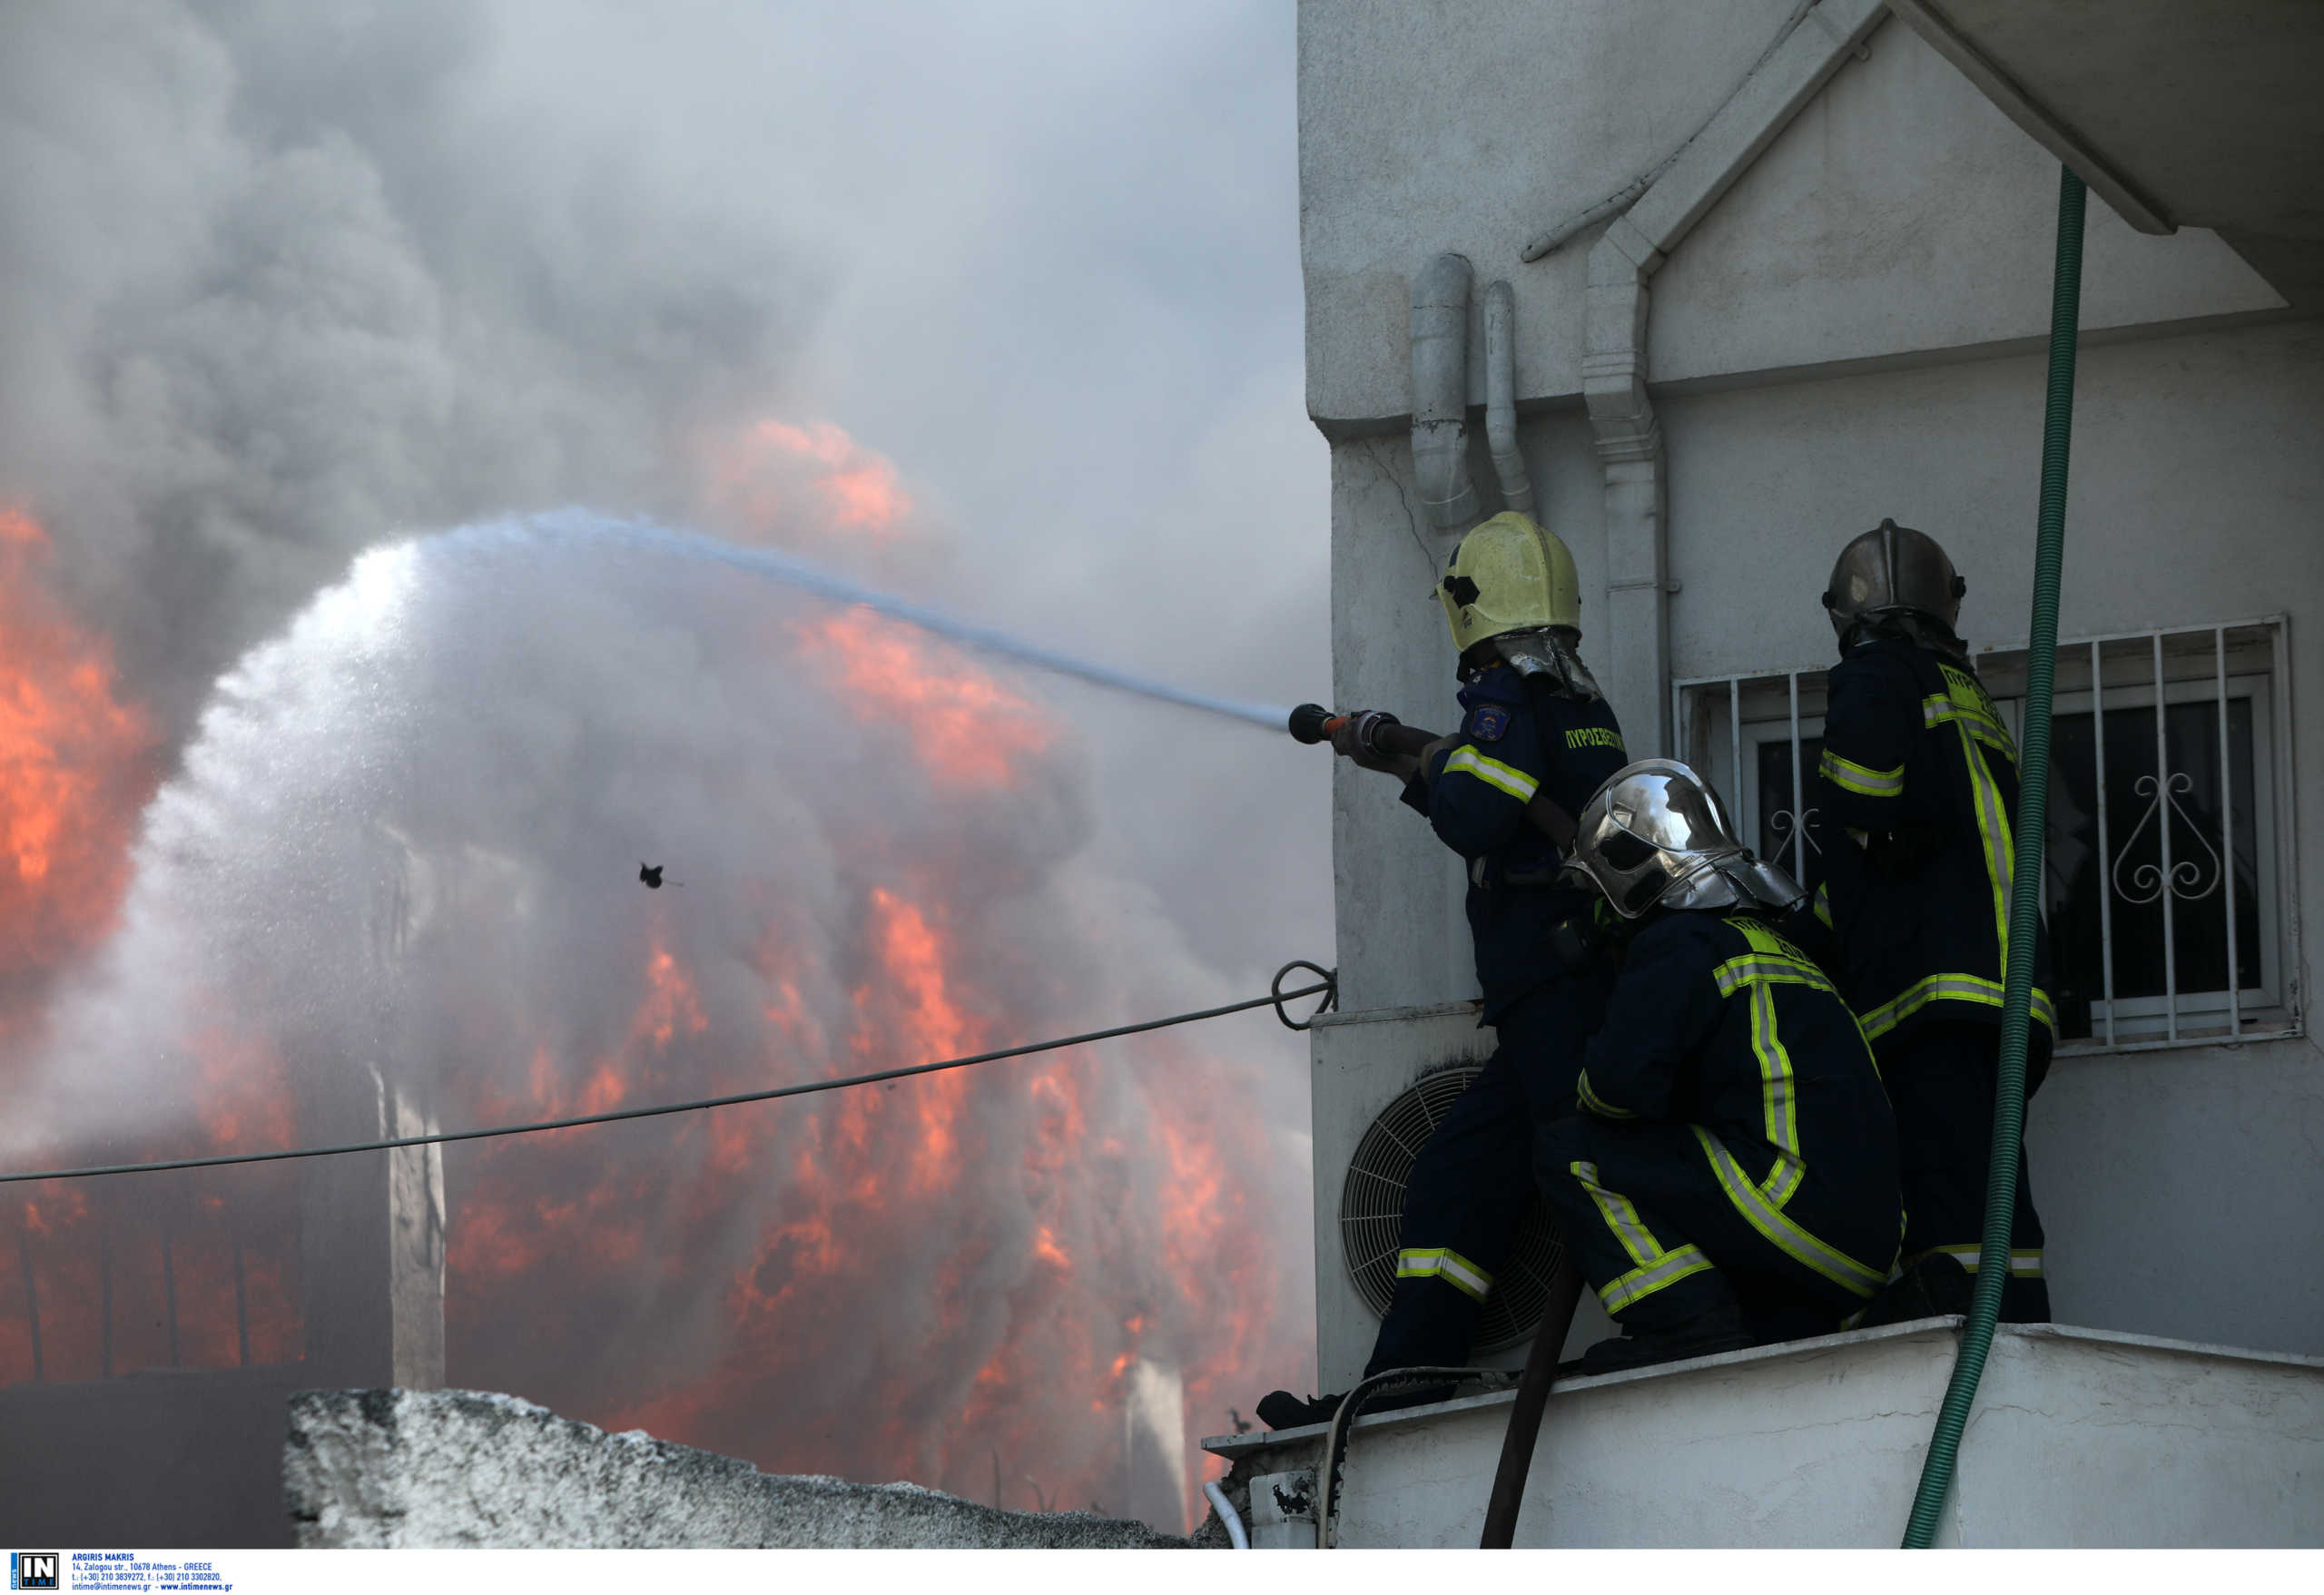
(1732, 1180)
(1534, 726)
(1917, 792)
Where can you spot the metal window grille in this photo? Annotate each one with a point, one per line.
(183, 1272)
(2170, 895)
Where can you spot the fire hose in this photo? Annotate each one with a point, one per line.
(2025, 885)
(1383, 736)
(1326, 988)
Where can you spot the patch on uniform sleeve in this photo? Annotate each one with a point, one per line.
(1488, 723)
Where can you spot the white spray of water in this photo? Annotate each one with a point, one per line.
(565, 527)
(406, 838)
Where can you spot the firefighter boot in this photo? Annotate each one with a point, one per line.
(1935, 1287)
(1716, 1329)
(1279, 1409)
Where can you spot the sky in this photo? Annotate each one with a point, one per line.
(997, 307)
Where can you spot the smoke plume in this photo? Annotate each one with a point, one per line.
(285, 289)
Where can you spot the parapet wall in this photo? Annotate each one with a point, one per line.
(398, 1468)
(2079, 1438)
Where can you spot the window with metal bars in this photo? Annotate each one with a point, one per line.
(2170, 854)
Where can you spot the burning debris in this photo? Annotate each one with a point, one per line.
(652, 875)
(369, 863)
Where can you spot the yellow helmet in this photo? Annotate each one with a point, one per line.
(1509, 574)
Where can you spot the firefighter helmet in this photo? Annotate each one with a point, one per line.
(1509, 574)
(1893, 571)
(1656, 834)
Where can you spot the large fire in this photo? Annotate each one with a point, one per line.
(75, 766)
(1032, 1239)
(1018, 1372)
(109, 1277)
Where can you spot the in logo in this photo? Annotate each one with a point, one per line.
(32, 1569)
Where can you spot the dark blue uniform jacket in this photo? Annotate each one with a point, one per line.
(1916, 801)
(1721, 1022)
(1514, 742)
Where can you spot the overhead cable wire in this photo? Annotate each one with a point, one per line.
(1327, 989)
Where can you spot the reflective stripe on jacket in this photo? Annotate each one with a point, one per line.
(1721, 1023)
(1915, 798)
(1512, 743)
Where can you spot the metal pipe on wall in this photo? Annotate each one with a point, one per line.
(1501, 398)
(1440, 351)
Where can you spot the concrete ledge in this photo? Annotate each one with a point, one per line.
(2080, 1437)
(401, 1468)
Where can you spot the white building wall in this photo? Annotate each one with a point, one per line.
(1853, 331)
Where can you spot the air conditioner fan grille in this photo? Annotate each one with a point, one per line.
(1371, 1201)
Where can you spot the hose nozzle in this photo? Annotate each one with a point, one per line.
(1377, 731)
(1311, 722)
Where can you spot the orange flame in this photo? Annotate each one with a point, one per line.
(966, 729)
(74, 767)
(754, 477)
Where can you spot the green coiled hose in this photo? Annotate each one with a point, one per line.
(2026, 883)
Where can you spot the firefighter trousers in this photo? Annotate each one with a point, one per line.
(1472, 1181)
(1662, 1241)
(1941, 1078)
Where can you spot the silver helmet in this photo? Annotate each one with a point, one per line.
(1656, 834)
(1893, 571)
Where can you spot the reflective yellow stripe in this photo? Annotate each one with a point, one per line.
(1598, 1104)
(1974, 989)
(2024, 1262)
(1657, 1267)
(1787, 1236)
(1773, 961)
(1964, 703)
(1850, 776)
(1492, 772)
(1621, 1216)
(1823, 904)
(1446, 1264)
(1768, 969)
(1972, 709)
(1639, 1283)
(1779, 1104)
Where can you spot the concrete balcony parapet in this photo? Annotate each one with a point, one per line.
(2080, 1437)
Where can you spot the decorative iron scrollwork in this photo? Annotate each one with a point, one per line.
(2146, 881)
(1784, 822)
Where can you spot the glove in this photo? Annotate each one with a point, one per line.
(1346, 744)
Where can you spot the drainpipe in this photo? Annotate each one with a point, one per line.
(1501, 398)
(1614, 359)
(1637, 648)
(1440, 339)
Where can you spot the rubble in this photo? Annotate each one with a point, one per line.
(384, 1469)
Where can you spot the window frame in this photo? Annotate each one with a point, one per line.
(2140, 1019)
(1719, 722)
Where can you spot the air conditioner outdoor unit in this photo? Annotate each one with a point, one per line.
(1381, 1082)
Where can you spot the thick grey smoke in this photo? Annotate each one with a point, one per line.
(279, 278)
(267, 295)
(283, 279)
